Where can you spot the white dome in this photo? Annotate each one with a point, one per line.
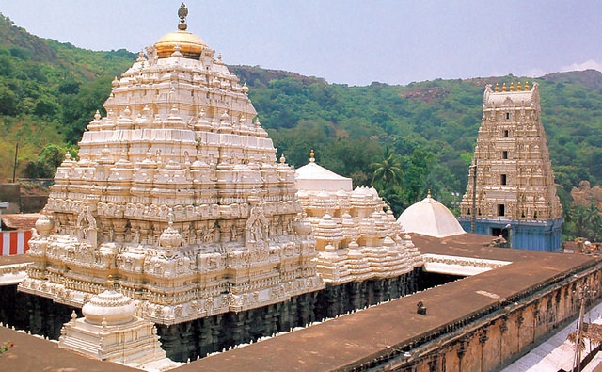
(110, 306)
(429, 217)
(314, 177)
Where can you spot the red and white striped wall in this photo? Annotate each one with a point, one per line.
(14, 242)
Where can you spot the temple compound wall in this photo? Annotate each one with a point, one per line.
(499, 335)
(511, 183)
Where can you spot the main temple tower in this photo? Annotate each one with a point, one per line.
(511, 190)
(176, 194)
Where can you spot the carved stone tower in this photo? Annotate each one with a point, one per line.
(515, 195)
(178, 195)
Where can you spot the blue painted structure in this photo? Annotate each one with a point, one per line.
(530, 235)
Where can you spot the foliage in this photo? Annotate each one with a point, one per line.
(5, 348)
(431, 125)
(583, 222)
(591, 332)
(50, 90)
(49, 158)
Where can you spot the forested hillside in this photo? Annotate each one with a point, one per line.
(432, 125)
(48, 92)
(402, 139)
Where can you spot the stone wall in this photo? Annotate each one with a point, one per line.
(497, 336)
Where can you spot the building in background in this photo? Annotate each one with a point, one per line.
(511, 191)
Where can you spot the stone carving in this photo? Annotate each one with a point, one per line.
(511, 150)
(340, 217)
(177, 192)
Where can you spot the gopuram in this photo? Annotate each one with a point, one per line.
(511, 191)
(177, 195)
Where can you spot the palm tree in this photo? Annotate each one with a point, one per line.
(387, 173)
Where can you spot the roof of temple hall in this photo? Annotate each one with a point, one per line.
(356, 338)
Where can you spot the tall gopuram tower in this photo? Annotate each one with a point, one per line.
(514, 195)
(177, 195)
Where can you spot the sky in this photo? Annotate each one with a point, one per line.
(350, 42)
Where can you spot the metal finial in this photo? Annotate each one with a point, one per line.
(182, 13)
(311, 156)
(110, 283)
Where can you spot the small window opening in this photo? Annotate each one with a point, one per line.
(506, 133)
(500, 210)
(503, 180)
(504, 154)
(507, 116)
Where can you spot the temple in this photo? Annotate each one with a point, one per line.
(511, 191)
(178, 195)
(356, 239)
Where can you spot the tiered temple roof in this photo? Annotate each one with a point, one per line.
(513, 166)
(356, 239)
(178, 195)
(513, 189)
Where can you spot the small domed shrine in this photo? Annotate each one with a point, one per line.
(111, 331)
(356, 239)
(177, 194)
(511, 191)
(429, 217)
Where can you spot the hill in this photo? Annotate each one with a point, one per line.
(48, 92)
(441, 117)
(423, 132)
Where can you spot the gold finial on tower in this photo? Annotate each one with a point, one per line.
(182, 13)
(512, 87)
(504, 87)
(518, 86)
(110, 283)
(311, 156)
(527, 87)
(429, 194)
(497, 87)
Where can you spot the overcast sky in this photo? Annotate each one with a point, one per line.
(344, 41)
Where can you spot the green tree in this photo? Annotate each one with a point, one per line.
(387, 173)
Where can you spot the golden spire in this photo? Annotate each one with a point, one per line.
(429, 194)
(527, 87)
(497, 87)
(504, 87)
(512, 87)
(518, 86)
(110, 283)
(311, 156)
(182, 13)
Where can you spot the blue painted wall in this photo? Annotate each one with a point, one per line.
(523, 234)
